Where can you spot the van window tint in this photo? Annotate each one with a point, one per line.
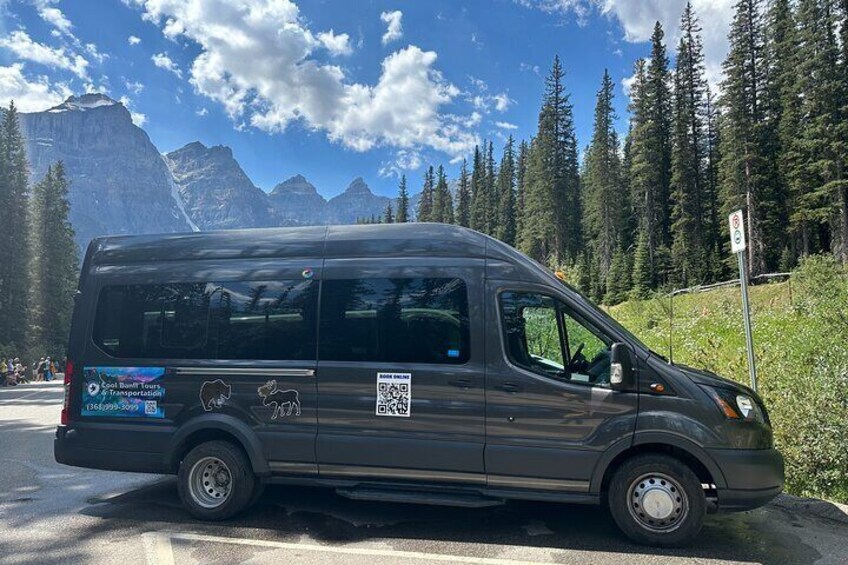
(268, 320)
(532, 332)
(154, 321)
(395, 320)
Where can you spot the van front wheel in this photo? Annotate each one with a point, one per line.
(215, 481)
(657, 500)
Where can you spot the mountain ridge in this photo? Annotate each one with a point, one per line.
(120, 183)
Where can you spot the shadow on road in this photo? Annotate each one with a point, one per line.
(288, 513)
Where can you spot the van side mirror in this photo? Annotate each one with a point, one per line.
(622, 375)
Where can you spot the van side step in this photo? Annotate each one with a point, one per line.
(464, 500)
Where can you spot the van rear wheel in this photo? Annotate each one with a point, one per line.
(215, 481)
(657, 500)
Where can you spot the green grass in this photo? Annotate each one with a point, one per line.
(801, 346)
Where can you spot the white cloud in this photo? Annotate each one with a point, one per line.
(628, 82)
(162, 61)
(485, 102)
(53, 16)
(502, 101)
(531, 68)
(394, 26)
(256, 60)
(92, 50)
(32, 94)
(637, 18)
(133, 40)
(133, 86)
(335, 44)
(506, 125)
(404, 160)
(22, 45)
(138, 118)
(579, 8)
(201, 112)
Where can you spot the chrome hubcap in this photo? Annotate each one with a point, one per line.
(657, 502)
(210, 482)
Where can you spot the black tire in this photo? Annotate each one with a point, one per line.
(228, 478)
(258, 491)
(676, 502)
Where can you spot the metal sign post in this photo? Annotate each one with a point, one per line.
(738, 245)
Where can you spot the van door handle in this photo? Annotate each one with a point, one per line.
(511, 388)
(461, 383)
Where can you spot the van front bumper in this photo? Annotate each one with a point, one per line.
(753, 477)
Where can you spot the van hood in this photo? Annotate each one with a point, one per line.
(702, 377)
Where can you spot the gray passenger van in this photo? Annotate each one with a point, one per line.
(418, 363)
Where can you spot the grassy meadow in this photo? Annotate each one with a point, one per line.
(801, 345)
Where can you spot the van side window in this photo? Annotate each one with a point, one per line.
(532, 333)
(395, 320)
(590, 353)
(154, 321)
(541, 336)
(268, 320)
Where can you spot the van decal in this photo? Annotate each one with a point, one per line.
(394, 394)
(213, 394)
(284, 401)
(123, 392)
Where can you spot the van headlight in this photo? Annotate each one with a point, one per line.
(735, 405)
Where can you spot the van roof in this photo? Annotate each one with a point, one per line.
(369, 240)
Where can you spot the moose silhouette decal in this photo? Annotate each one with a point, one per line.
(213, 394)
(284, 401)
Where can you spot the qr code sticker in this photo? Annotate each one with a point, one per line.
(150, 407)
(394, 394)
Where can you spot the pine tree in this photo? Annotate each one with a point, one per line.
(442, 201)
(463, 197)
(713, 227)
(689, 252)
(478, 194)
(659, 106)
(520, 187)
(427, 201)
(606, 200)
(643, 274)
(388, 214)
(53, 265)
(402, 215)
(748, 168)
(840, 145)
(784, 114)
(818, 185)
(618, 281)
(505, 224)
(552, 185)
(14, 250)
(491, 191)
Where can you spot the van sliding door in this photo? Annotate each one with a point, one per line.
(400, 370)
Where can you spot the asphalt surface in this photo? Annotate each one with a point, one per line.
(55, 514)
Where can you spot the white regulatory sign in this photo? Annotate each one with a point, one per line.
(737, 231)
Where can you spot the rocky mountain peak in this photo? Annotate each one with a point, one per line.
(83, 102)
(358, 186)
(216, 191)
(295, 185)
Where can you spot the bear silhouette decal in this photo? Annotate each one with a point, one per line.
(283, 401)
(213, 394)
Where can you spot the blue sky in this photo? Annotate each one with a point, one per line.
(334, 89)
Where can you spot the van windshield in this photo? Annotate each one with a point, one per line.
(578, 297)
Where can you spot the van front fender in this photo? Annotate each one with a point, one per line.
(226, 424)
(645, 440)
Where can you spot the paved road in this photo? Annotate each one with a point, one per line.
(54, 514)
